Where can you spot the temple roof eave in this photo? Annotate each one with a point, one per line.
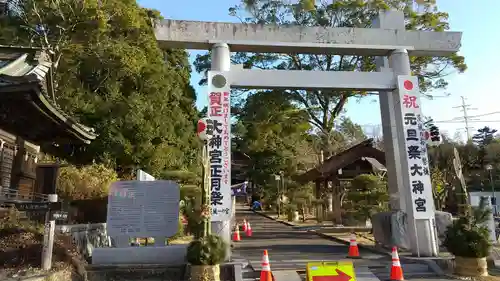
(340, 160)
(25, 78)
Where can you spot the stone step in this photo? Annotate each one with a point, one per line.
(409, 271)
(247, 273)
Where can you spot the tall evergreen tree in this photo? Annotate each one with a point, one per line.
(484, 136)
(273, 133)
(112, 76)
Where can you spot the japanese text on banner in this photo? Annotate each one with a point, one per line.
(416, 148)
(219, 149)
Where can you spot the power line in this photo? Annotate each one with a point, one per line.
(470, 121)
(486, 114)
(465, 118)
(458, 119)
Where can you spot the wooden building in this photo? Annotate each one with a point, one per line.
(8, 149)
(362, 158)
(30, 119)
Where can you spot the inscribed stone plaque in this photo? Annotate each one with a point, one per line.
(143, 208)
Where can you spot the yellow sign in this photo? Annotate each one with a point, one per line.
(330, 271)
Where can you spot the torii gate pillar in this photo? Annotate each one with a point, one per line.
(422, 233)
(221, 61)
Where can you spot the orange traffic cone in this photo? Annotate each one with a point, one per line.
(249, 230)
(244, 226)
(396, 270)
(353, 248)
(265, 273)
(236, 234)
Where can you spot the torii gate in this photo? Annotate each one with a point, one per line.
(409, 186)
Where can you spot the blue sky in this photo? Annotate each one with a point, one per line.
(480, 43)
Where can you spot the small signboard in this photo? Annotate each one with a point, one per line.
(59, 215)
(330, 271)
(143, 208)
(37, 206)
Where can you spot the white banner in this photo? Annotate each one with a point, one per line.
(219, 145)
(416, 148)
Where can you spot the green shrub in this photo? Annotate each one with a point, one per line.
(210, 250)
(87, 182)
(467, 236)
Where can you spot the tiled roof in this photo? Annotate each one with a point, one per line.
(22, 66)
(362, 150)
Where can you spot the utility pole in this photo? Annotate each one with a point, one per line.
(465, 108)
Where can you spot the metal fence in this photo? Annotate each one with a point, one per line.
(8, 195)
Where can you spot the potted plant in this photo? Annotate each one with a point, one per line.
(204, 256)
(468, 239)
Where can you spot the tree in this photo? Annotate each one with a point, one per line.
(113, 77)
(484, 136)
(439, 188)
(351, 132)
(367, 195)
(273, 133)
(324, 106)
(492, 154)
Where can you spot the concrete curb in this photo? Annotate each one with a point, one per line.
(334, 239)
(435, 267)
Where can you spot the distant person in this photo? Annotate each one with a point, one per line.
(256, 206)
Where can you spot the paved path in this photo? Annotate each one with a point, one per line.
(291, 248)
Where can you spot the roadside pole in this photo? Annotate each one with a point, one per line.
(48, 236)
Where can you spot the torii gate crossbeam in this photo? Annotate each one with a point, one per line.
(299, 39)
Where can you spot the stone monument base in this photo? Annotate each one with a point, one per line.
(168, 255)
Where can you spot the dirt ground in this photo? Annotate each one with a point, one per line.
(21, 251)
